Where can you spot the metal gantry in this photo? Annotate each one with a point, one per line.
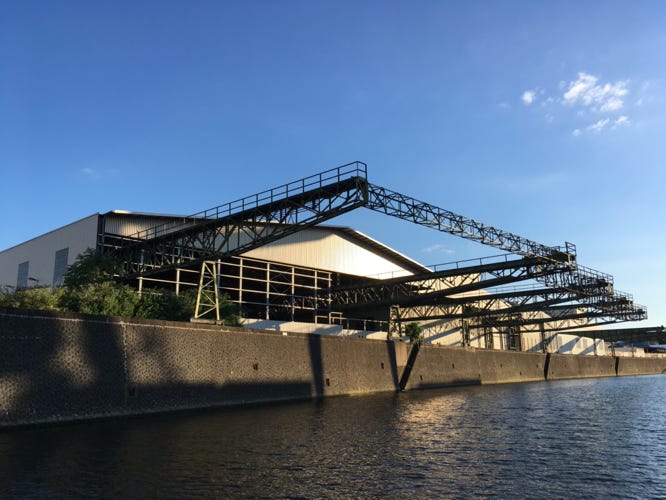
(244, 224)
(568, 290)
(424, 214)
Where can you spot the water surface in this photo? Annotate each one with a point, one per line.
(598, 438)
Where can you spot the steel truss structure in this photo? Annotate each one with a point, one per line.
(240, 226)
(448, 294)
(567, 292)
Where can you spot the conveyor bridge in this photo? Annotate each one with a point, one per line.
(242, 225)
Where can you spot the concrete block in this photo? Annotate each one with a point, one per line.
(438, 366)
(641, 366)
(568, 366)
(497, 367)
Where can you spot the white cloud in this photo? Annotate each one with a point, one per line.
(598, 126)
(93, 173)
(586, 91)
(592, 105)
(528, 97)
(621, 121)
(438, 248)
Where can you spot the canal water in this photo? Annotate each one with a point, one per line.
(595, 438)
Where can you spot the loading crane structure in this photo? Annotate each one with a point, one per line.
(556, 290)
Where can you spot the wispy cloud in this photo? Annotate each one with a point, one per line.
(438, 248)
(596, 105)
(93, 173)
(586, 91)
(536, 182)
(603, 124)
(598, 126)
(622, 120)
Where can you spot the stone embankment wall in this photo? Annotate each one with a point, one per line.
(57, 367)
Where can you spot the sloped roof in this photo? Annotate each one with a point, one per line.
(362, 239)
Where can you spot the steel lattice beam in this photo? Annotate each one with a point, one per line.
(573, 276)
(435, 286)
(256, 220)
(248, 223)
(424, 214)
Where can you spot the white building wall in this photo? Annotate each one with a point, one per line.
(321, 248)
(328, 250)
(40, 252)
(563, 343)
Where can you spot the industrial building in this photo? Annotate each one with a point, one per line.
(277, 256)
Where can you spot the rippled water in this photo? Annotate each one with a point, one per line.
(596, 438)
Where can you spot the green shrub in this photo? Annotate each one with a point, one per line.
(165, 304)
(105, 298)
(414, 332)
(40, 298)
(89, 288)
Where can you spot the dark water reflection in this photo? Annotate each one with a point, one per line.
(600, 438)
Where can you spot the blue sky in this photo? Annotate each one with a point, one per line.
(546, 119)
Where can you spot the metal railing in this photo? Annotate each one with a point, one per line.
(349, 171)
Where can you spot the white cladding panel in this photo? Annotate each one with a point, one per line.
(130, 224)
(40, 252)
(328, 250)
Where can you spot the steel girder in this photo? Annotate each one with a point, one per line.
(245, 224)
(571, 275)
(424, 214)
(557, 307)
(437, 285)
(256, 220)
(653, 334)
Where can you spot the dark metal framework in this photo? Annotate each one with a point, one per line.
(244, 224)
(568, 291)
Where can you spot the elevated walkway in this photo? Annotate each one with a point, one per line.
(256, 220)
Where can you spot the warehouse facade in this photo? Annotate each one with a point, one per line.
(282, 280)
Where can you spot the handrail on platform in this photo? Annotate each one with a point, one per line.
(345, 172)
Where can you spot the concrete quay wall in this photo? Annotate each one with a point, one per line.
(57, 368)
(640, 366)
(438, 366)
(566, 366)
(65, 367)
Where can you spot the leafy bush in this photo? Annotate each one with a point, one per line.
(40, 298)
(165, 304)
(414, 332)
(106, 298)
(89, 288)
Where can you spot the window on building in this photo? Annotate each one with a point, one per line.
(22, 280)
(60, 267)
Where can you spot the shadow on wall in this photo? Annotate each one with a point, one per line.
(58, 370)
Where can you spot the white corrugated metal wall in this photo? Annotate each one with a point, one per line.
(40, 252)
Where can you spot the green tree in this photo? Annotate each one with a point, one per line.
(90, 267)
(414, 332)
